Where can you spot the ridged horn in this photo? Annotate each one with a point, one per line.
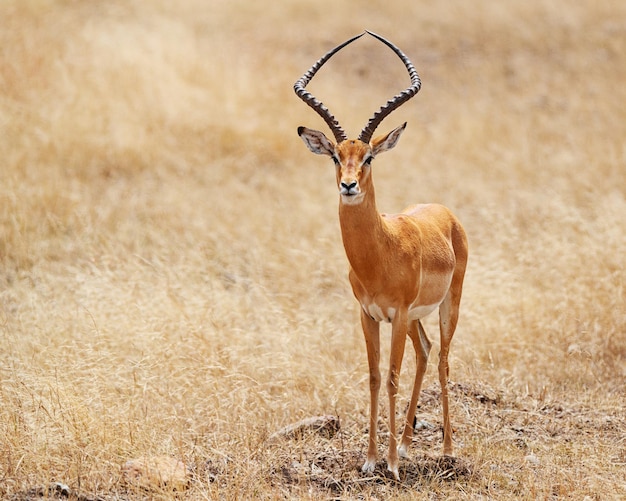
(396, 101)
(312, 101)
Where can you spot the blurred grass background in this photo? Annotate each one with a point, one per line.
(172, 278)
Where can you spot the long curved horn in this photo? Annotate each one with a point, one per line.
(312, 101)
(396, 101)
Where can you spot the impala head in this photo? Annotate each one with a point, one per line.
(353, 157)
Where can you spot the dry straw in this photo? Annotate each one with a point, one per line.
(172, 281)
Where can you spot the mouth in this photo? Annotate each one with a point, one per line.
(350, 198)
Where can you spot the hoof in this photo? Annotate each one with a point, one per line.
(403, 451)
(369, 466)
(394, 471)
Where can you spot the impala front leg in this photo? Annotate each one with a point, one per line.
(372, 342)
(399, 328)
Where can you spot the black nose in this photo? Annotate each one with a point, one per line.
(348, 187)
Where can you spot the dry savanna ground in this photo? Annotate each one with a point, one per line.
(172, 279)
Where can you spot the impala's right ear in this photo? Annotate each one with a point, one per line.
(316, 141)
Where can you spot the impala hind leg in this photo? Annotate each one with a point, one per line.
(422, 345)
(448, 317)
(371, 332)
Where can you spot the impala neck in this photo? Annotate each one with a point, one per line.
(362, 231)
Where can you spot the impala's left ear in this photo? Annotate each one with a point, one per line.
(387, 141)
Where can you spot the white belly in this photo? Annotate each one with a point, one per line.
(418, 312)
(380, 315)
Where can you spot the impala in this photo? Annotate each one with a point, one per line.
(402, 266)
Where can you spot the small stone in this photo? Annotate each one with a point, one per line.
(574, 349)
(323, 425)
(299, 467)
(156, 472)
(531, 459)
(316, 470)
(422, 425)
(59, 489)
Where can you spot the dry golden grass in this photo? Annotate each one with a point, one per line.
(172, 280)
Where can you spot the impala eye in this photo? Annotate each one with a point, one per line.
(368, 161)
(336, 160)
